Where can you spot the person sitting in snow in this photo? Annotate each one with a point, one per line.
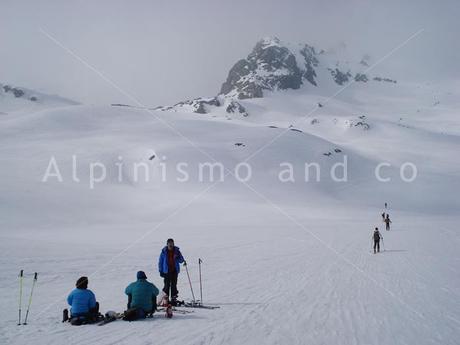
(84, 308)
(168, 265)
(142, 297)
(377, 236)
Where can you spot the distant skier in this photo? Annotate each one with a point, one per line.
(142, 297)
(386, 206)
(84, 308)
(168, 265)
(377, 236)
(387, 222)
(383, 217)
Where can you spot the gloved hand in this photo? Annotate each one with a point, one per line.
(162, 275)
(185, 263)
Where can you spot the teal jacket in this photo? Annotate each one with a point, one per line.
(142, 294)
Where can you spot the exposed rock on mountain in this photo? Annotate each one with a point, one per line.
(270, 66)
(273, 66)
(340, 77)
(235, 107)
(14, 98)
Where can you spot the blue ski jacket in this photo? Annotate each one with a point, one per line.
(81, 301)
(163, 261)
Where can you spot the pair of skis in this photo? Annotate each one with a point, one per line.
(114, 316)
(174, 310)
(110, 316)
(21, 280)
(199, 305)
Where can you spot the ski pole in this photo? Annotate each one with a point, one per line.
(21, 278)
(201, 286)
(30, 297)
(190, 282)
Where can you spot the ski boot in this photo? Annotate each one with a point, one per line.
(65, 315)
(169, 311)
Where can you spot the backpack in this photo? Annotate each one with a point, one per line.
(376, 236)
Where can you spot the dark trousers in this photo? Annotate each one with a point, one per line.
(377, 245)
(387, 226)
(90, 317)
(170, 288)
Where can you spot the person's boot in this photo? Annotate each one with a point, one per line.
(174, 301)
(65, 315)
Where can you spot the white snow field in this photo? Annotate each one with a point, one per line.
(288, 263)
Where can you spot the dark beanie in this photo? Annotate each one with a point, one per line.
(82, 283)
(141, 275)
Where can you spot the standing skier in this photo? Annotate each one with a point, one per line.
(84, 308)
(377, 236)
(387, 222)
(168, 265)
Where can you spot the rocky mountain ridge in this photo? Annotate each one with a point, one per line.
(273, 66)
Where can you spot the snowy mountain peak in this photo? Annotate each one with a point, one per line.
(273, 65)
(270, 66)
(269, 41)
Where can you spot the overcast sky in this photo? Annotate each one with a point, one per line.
(166, 51)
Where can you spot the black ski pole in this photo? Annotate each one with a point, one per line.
(201, 286)
(21, 278)
(190, 282)
(30, 297)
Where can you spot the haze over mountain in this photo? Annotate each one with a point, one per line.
(165, 52)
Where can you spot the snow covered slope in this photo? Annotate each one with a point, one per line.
(288, 262)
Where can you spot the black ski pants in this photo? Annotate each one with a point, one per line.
(377, 245)
(170, 285)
